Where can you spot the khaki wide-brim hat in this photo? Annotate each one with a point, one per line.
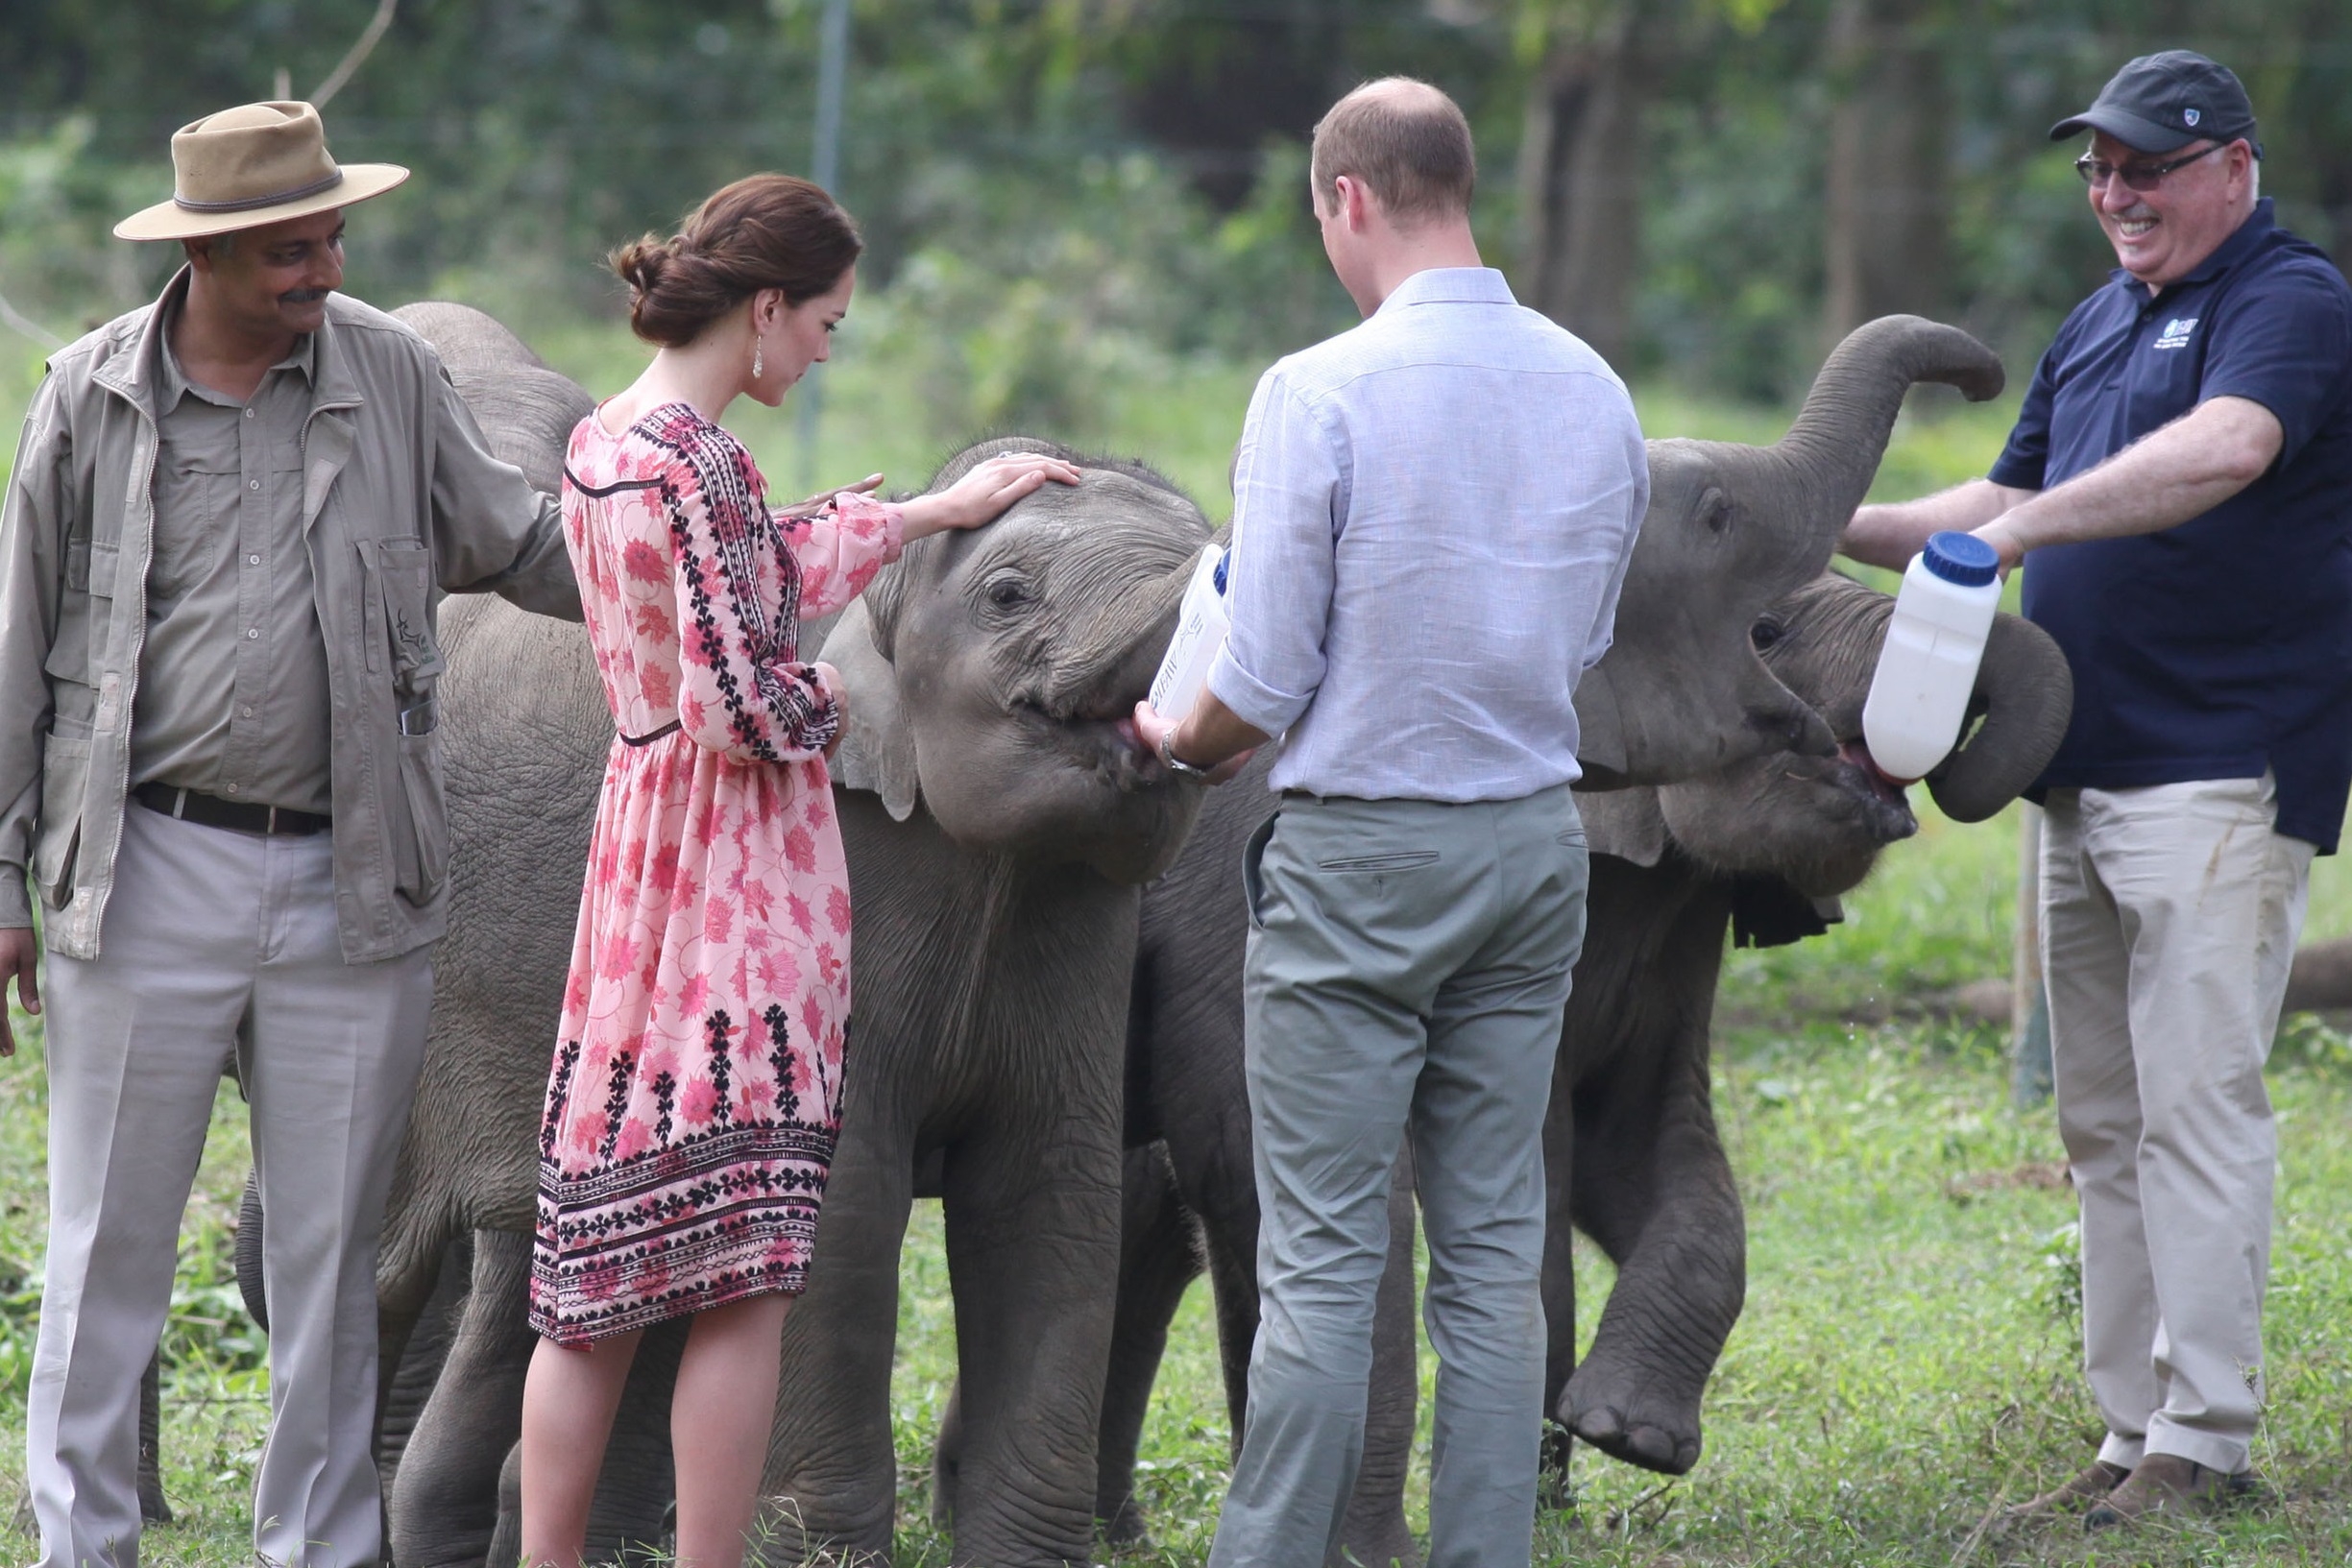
(255, 164)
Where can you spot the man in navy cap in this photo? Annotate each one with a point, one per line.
(2181, 476)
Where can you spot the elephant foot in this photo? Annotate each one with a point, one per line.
(1388, 1545)
(1617, 1412)
(787, 1536)
(1122, 1527)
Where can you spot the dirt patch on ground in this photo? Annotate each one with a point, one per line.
(2037, 1175)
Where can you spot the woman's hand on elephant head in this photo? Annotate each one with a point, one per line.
(984, 495)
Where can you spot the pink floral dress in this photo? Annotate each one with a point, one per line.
(697, 1090)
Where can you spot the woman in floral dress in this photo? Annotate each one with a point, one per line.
(697, 1089)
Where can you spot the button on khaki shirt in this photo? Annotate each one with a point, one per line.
(233, 692)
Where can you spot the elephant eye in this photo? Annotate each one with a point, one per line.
(1764, 634)
(1714, 510)
(1005, 590)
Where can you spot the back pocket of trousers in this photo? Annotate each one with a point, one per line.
(1400, 860)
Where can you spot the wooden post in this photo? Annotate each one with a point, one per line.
(832, 74)
(2029, 1064)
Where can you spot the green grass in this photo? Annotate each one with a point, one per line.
(1906, 1358)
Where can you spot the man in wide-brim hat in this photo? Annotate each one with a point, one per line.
(219, 774)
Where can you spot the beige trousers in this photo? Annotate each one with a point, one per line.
(219, 942)
(2169, 916)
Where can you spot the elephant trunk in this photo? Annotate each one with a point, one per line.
(1833, 448)
(1105, 668)
(2026, 695)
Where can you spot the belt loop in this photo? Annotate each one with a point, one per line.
(271, 828)
(179, 804)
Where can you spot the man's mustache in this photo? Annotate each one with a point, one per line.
(304, 296)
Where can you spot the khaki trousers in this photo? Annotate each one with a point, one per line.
(1407, 971)
(2169, 917)
(219, 942)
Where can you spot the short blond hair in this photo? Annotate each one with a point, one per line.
(1407, 141)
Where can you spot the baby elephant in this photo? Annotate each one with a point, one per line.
(1761, 850)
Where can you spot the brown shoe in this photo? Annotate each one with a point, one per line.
(2168, 1485)
(2072, 1495)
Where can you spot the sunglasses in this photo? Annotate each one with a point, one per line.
(2097, 171)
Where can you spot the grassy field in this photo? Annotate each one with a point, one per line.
(1906, 1359)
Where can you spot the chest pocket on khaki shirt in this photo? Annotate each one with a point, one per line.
(196, 510)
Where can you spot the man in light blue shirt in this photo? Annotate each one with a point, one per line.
(1433, 515)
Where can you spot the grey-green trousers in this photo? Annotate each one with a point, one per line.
(1408, 966)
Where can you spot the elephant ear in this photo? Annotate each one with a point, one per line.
(1624, 823)
(526, 410)
(877, 752)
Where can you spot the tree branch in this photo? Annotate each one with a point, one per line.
(12, 317)
(375, 29)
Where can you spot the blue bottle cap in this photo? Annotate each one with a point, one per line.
(1960, 558)
(1224, 561)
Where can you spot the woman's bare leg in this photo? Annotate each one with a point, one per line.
(568, 1402)
(718, 1425)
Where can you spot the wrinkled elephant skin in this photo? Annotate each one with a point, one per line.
(998, 827)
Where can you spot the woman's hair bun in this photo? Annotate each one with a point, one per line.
(642, 262)
(766, 230)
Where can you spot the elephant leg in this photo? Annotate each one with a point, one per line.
(249, 1251)
(832, 1476)
(947, 1459)
(507, 1540)
(1217, 1185)
(152, 1508)
(1374, 1531)
(1033, 1246)
(1559, 1285)
(1651, 1186)
(443, 1496)
(409, 1383)
(1156, 1261)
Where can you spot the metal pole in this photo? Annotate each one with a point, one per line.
(2029, 1064)
(832, 70)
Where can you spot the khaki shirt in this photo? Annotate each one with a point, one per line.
(235, 699)
(400, 499)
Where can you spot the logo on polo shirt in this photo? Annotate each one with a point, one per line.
(2176, 333)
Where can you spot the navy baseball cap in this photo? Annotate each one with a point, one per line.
(2160, 102)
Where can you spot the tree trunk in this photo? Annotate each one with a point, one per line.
(1887, 235)
(1581, 161)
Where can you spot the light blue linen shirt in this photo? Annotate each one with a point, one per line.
(1432, 516)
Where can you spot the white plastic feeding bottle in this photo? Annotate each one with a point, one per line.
(1927, 664)
(1200, 630)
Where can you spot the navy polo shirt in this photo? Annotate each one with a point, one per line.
(2221, 647)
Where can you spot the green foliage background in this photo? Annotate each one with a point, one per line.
(1072, 187)
(1087, 219)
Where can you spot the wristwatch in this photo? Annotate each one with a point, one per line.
(1176, 763)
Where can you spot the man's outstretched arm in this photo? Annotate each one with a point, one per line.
(2182, 470)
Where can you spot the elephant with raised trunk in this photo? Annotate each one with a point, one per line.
(1632, 1157)
(1737, 532)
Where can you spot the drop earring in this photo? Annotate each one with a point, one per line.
(759, 362)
